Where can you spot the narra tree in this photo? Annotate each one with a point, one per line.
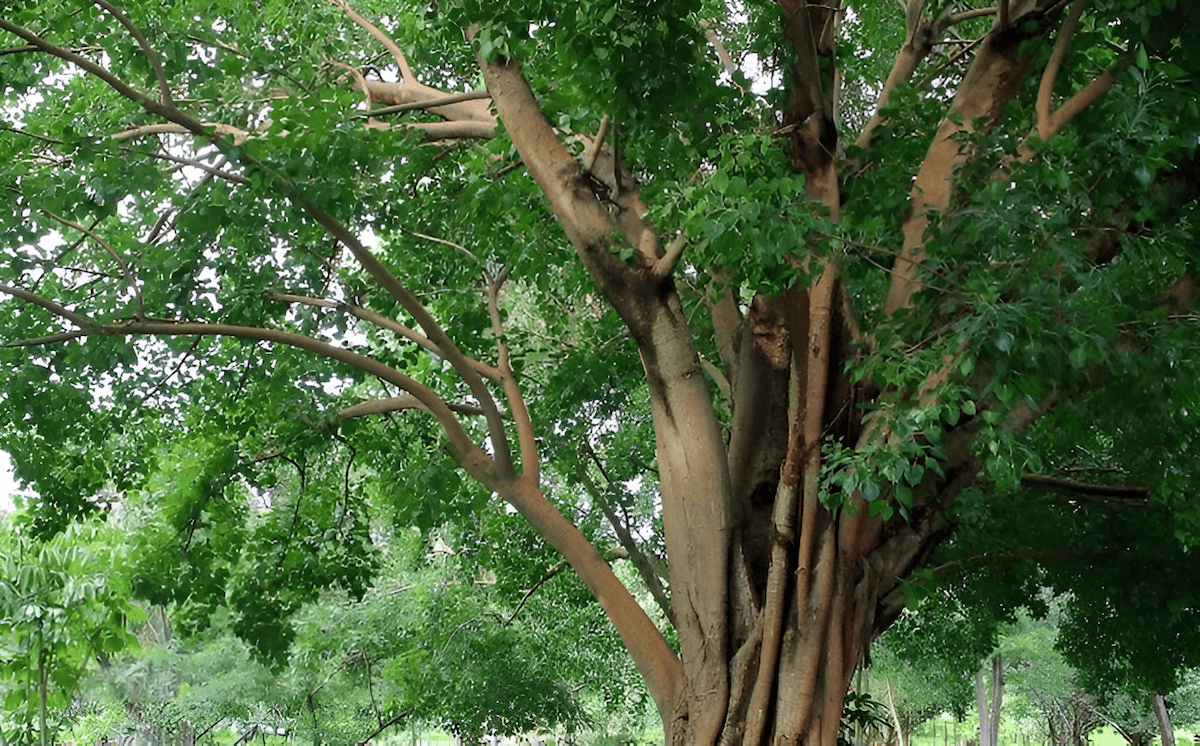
(859, 249)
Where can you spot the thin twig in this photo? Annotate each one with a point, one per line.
(129, 276)
(164, 87)
(235, 178)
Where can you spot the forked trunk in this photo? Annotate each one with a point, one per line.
(775, 596)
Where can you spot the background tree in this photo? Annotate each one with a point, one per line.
(210, 237)
(62, 607)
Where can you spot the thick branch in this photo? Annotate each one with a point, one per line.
(397, 54)
(686, 429)
(430, 104)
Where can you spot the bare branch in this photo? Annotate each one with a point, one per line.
(592, 149)
(164, 87)
(406, 72)
(1053, 66)
(967, 15)
(43, 138)
(639, 558)
(383, 322)
(129, 276)
(409, 302)
(457, 247)
(508, 382)
(547, 576)
(718, 377)
(235, 178)
(663, 266)
(49, 339)
(722, 53)
(430, 104)
(218, 128)
(455, 130)
(464, 447)
(358, 78)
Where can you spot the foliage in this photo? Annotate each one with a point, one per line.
(865, 715)
(268, 322)
(64, 602)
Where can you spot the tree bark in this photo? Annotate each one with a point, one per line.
(989, 712)
(1165, 728)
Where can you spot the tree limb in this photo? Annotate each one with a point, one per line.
(527, 442)
(129, 276)
(397, 403)
(430, 104)
(164, 87)
(235, 178)
(86, 325)
(1126, 491)
(547, 576)
(383, 322)
(722, 54)
(406, 72)
(636, 555)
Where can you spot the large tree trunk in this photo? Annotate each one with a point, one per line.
(775, 596)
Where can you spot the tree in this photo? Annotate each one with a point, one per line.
(211, 239)
(61, 607)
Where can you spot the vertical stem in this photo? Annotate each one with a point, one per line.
(41, 688)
